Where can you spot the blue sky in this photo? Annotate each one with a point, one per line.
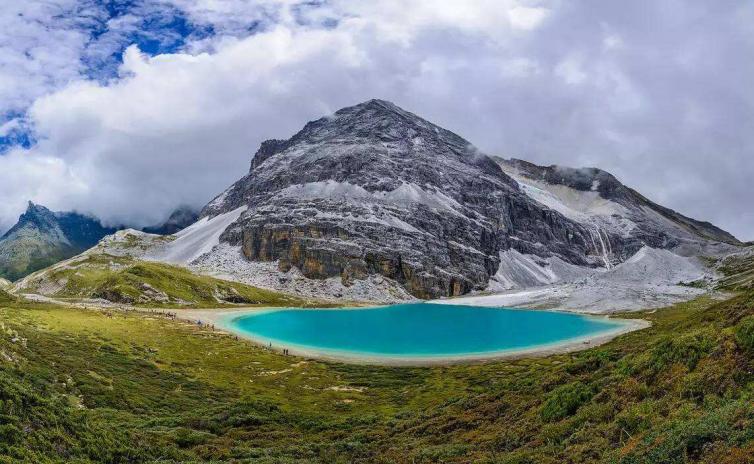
(126, 109)
(106, 28)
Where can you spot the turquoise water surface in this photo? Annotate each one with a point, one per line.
(417, 329)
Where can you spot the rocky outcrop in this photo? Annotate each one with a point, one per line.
(374, 189)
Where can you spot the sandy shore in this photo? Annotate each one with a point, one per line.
(220, 317)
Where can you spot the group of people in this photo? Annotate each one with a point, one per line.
(209, 326)
(285, 350)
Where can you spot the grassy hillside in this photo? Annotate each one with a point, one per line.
(125, 280)
(5, 297)
(738, 271)
(87, 387)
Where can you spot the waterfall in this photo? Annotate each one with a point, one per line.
(609, 246)
(603, 249)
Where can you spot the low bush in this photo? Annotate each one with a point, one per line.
(565, 401)
(745, 334)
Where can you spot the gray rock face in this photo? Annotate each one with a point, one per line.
(650, 224)
(374, 189)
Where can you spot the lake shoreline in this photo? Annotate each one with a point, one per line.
(220, 318)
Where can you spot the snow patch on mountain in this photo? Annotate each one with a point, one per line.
(196, 239)
(571, 203)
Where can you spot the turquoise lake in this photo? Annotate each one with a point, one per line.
(417, 330)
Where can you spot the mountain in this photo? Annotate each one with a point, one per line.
(374, 203)
(179, 219)
(42, 237)
(376, 190)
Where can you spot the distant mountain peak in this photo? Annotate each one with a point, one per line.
(182, 217)
(32, 207)
(35, 214)
(42, 237)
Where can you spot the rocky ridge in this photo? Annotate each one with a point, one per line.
(591, 195)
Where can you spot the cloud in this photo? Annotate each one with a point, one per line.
(657, 93)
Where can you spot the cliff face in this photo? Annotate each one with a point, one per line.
(593, 196)
(374, 189)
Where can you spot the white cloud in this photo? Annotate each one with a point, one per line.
(527, 18)
(571, 70)
(36, 56)
(549, 81)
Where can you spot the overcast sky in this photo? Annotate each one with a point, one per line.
(127, 109)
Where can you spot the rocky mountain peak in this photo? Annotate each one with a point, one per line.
(380, 129)
(375, 119)
(375, 189)
(33, 209)
(42, 237)
(35, 215)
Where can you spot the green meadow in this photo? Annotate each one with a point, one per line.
(123, 387)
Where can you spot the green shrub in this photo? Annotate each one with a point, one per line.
(188, 438)
(565, 401)
(635, 418)
(686, 349)
(745, 334)
(685, 439)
